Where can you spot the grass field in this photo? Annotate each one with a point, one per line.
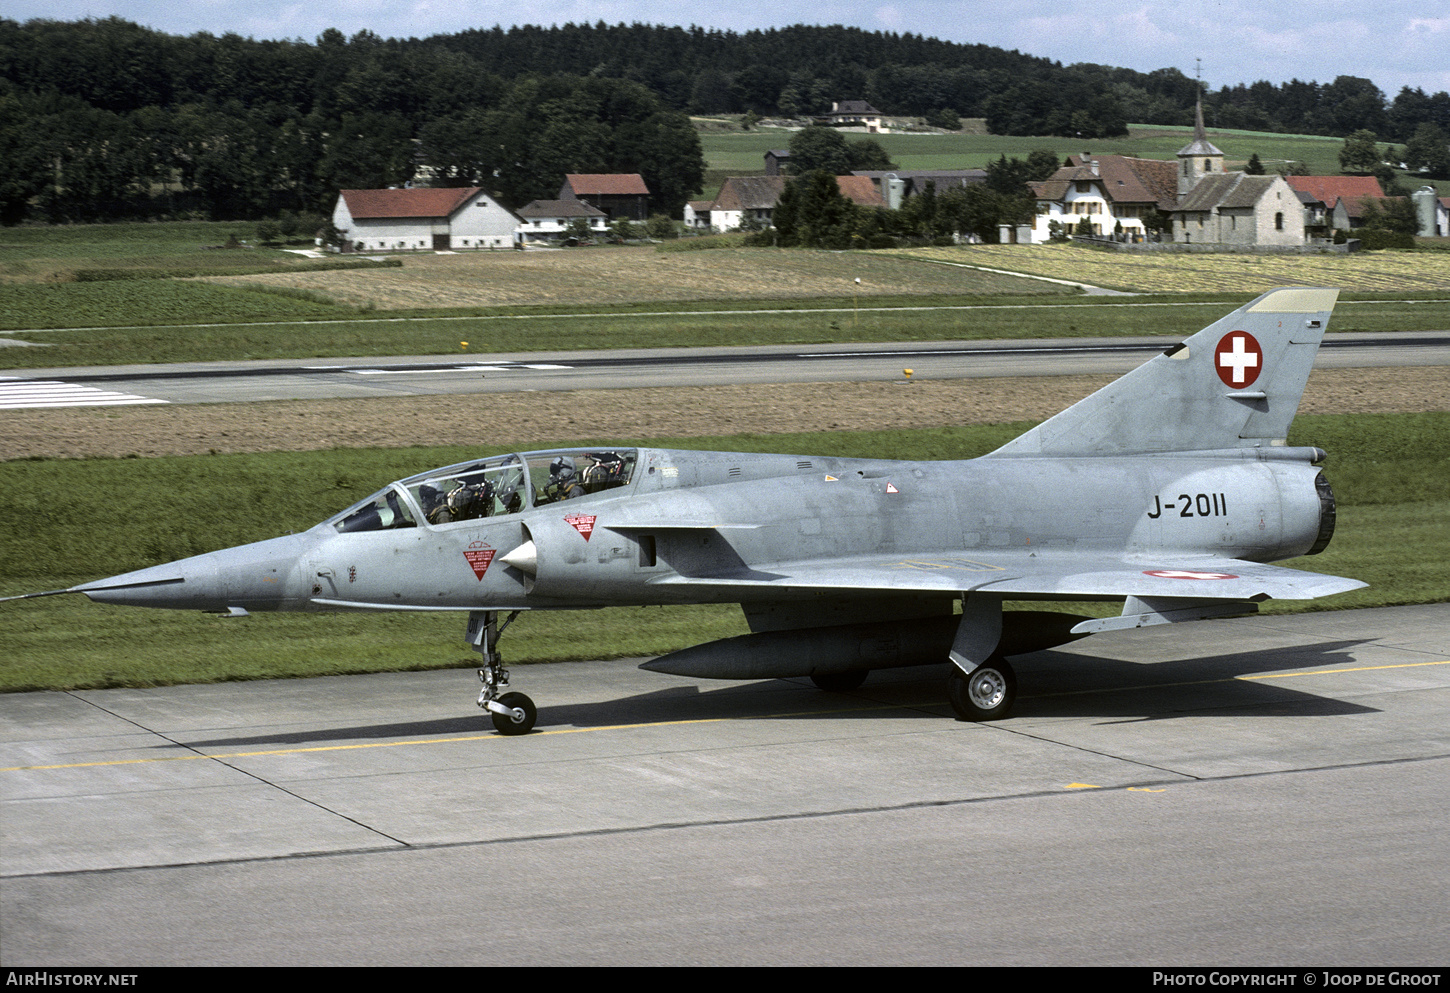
(1391, 474)
(742, 153)
(48, 254)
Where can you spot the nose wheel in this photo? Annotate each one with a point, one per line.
(512, 713)
(515, 714)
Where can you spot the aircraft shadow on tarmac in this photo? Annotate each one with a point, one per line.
(1052, 684)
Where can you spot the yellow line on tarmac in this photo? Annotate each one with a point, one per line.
(1231, 679)
(1331, 672)
(341, 748)
(491, 736)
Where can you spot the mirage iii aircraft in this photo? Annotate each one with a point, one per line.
(1169, 490)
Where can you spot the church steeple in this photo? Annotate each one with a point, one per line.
(1200, 157)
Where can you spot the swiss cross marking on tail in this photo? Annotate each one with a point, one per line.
(1238, 359)
(583, 523)
(479, 555)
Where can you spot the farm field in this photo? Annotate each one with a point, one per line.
(732, 153)
(1378, 272)
(745, 150)
(617, 275)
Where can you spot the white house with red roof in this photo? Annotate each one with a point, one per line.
(422, 219)
(1104, 195)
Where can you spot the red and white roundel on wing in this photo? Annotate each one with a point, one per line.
(1238, 359)
(1187, 574)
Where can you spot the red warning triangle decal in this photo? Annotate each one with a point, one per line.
(583, 523)
(479, 555)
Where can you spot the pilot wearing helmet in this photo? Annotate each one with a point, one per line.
(563, 481)
(465, 502)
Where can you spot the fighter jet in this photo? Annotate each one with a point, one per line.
(1170, 489)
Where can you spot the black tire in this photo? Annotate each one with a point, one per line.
(505, 724)
(986, 694)
(840, 682)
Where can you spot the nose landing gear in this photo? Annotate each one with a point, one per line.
(512, 713)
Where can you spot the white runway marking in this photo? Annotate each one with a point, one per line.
(19, 394)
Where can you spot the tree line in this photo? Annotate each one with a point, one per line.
(104, 118)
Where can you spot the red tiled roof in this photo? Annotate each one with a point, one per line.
(1329, 189)
(1132, 180)
(607, 184)
(406, 203)
(861, 190)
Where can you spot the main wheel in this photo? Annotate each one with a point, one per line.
(985, 694)
(839, 682)
(507, 723)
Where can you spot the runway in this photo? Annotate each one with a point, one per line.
(1261, 791)
(216, 382)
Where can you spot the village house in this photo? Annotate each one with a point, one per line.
(697, 214)
(617, 194)
(848, 113)
(422, 219)
(749, 201)
(1432, 212)
(550, 220)
(897, 186)
(1334, 200)
(1103, 195)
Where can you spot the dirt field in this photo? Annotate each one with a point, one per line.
(539, 419)
(630, 274)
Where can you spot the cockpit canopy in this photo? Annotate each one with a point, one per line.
(491, 487)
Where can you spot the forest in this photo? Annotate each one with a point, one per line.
(103, 119)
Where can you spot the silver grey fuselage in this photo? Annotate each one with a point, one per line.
(687, 516)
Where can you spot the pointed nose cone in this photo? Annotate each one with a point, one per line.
(267, 575)
(525, 558)
(189, 583)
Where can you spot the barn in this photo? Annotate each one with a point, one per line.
(422, 219)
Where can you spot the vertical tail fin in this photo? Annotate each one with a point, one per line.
(1235, 384)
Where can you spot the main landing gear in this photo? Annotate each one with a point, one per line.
(986, 693)
(512, 713)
